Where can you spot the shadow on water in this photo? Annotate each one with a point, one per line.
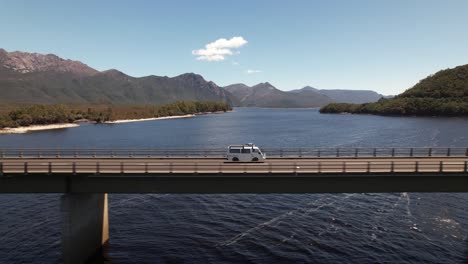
(101, 256)
(465, 260)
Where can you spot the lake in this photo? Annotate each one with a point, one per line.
(280, 228)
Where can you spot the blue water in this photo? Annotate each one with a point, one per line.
(309, 228)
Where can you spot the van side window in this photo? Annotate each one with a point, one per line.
(234, 151)
(245, 150)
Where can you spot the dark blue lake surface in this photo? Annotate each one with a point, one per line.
(312, 228)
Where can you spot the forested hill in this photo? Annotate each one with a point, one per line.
(450, 83)
(444, 93)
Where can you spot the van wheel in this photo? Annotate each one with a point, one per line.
(235, 159)
(255, 159)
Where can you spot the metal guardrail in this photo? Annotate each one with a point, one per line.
(306, 152)
(318, 167)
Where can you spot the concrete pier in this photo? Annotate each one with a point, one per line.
(85, 226)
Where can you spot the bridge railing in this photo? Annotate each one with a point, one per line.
(111, 153)
(306, 152)
(170, 168)
(368, 152)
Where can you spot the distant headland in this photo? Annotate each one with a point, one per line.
(444, 93)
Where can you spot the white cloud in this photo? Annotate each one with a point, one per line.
(252, 71)
(235, 63)
(218, 50)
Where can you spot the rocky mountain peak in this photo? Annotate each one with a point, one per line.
(192, 79)
(190, 76)
(114, 73)
(3, 55)
(309, 88)
(24, 62)
(264, 85)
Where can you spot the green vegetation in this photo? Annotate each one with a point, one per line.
(108, 88)
(404, 106)
(442, 94)
(54, 114)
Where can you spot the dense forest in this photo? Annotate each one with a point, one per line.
(442, 94)
(55, 114)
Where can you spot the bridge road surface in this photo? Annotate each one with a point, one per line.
(218, 166)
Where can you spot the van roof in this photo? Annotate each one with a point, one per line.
(243, 146)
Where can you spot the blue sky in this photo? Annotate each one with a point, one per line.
(386, 46)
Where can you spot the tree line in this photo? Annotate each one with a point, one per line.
(55, 114)
(404, 106)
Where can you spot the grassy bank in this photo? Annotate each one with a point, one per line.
(57, 114)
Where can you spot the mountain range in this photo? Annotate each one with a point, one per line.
(346, 96)
(45, 79)
(266, 95)
(37, 78)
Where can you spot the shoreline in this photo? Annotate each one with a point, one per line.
(147, 119)
(161, 118)
(22, 130)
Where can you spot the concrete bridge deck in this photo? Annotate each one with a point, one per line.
(196, 166)
(216, 175)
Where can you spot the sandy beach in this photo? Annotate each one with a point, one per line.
(147, 119)
(19, 130)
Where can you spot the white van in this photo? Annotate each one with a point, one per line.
(246, 152)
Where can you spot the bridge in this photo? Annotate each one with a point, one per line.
(85, 176)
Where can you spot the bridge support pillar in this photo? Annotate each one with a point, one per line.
(85, 227)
